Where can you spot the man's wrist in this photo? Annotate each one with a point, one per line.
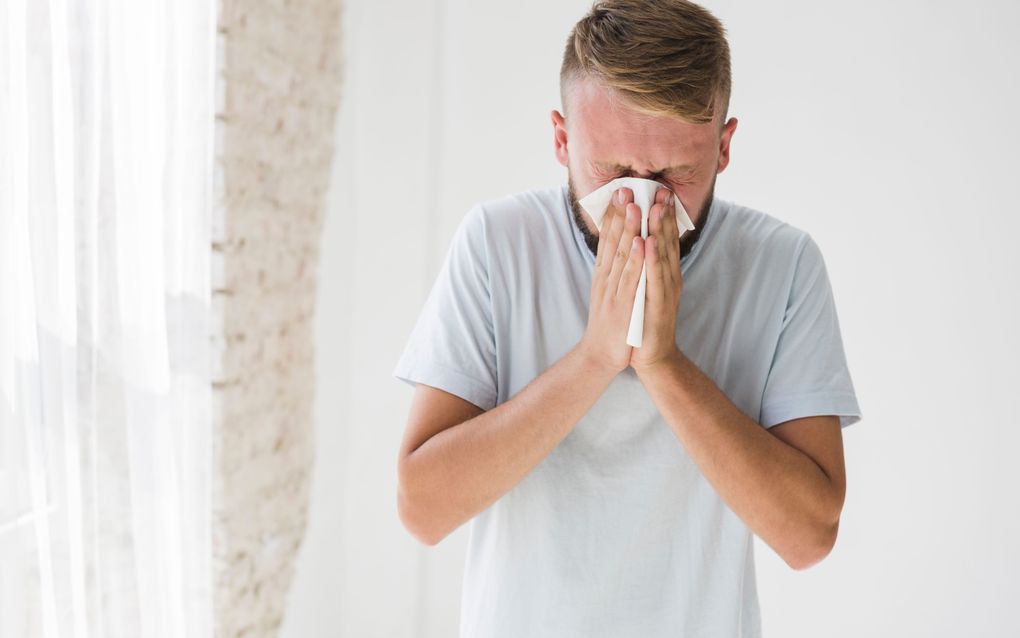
(671, 361)
(594, 364)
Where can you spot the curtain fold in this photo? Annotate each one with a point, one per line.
(106, 164)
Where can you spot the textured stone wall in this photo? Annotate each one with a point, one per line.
(277, 91)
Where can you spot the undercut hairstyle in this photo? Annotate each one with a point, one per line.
(660, 57)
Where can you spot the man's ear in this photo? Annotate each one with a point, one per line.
(559, 137)
(724, 144)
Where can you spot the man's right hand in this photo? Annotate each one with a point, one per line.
(618, 262)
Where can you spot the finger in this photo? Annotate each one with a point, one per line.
(669, 228)
(613, 221)
(655, 226)
(606, 225)
(631, 270)
(654, 285)
(611, 227)
(631, 228)
(614, 215)
(671, 238)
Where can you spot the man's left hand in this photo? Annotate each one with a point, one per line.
(663, 287)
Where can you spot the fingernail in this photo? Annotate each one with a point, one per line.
(619, 196)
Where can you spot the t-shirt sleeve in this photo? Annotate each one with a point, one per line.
(452, 344)
(809, 374)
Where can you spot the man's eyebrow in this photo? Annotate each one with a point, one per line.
(669, 169)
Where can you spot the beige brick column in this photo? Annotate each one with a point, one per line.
(278, 89)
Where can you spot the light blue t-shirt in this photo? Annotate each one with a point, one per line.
(617, 533)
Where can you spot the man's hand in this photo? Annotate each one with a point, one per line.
(663, 287)
(618, 261)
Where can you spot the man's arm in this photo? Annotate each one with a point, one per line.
(455, 460)
(451, 469)
(787, 483)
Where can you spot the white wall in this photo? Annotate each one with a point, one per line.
(888, 132)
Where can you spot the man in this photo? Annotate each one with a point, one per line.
(613, 491)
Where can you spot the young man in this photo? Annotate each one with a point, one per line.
(612, 490)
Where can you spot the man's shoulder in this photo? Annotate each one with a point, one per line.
(533, 215)
(529, 204)
(753, 232)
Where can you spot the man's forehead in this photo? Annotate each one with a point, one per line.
(612, 130)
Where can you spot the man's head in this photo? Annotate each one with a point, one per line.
(645, 88)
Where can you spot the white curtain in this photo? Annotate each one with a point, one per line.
(106, 142)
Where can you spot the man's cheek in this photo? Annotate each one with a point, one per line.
(601, 180)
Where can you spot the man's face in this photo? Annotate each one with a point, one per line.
(605, 139)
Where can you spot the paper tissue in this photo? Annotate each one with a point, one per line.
(596, 203)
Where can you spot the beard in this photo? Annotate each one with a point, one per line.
(687, 240)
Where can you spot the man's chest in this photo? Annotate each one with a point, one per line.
(728, 325)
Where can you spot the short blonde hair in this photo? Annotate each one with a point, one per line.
(662, 57)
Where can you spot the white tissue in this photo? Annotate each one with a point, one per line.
(596, 203)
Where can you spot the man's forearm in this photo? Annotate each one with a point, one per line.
(780, 493)
(463, 469)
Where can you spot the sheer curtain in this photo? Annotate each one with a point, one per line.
(106, 146)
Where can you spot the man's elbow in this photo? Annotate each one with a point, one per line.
(814, 551)
(414, 522)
